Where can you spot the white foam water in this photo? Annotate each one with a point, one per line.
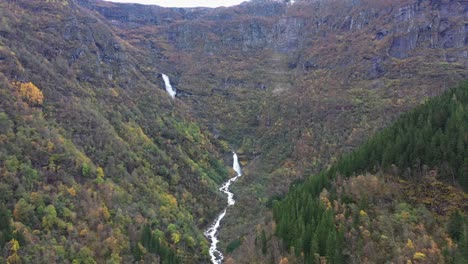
(171, 91)
(212, 232)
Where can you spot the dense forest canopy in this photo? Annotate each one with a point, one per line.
(342, 209)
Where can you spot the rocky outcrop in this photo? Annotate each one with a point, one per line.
(134, 15)
(438, 24)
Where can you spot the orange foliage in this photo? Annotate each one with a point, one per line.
(84, 232)
(71, 191)
(30, 93)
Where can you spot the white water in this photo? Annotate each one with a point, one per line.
(171, 91)
(212, 232)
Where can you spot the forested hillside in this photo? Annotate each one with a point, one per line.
(97, 163)
(390, 199)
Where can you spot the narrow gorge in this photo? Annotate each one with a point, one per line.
(212, 232)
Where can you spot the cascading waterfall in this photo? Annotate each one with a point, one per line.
(212, 232)
(171, 91)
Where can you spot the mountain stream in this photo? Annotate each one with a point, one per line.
(212, 232)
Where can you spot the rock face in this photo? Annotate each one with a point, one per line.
(131, 15)
(405, 25)
(443, 27)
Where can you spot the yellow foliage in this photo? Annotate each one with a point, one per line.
(50, 146)
(363, 213)
(84, 232)
(419, 256)
(169, 200)
(70, 228)
(113, 244)
(114, 92)
(410, 244)
(366, 233)
(142, 248)
(164, 210)
(175, 238)
(13, 259)
(326, 202)
(30, 93)
(14, 245)
(115, 258)
(105, 212)
(100, 172)
(449, 242)
(173, 201)
(284, 261)
(71, 191)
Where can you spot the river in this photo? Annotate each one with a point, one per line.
(212, 232)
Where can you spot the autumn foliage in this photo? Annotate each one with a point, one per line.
(30, 93)
(403, 208)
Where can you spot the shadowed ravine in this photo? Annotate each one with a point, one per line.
(212, 232)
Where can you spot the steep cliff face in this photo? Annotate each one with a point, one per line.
(132, 15)
(288, 28)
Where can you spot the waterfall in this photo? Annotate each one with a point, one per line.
(212, 232)
(235, 165)
(171, 91)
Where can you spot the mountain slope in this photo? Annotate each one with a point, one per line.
(313, 77)
(93, 149)
(292, 87)
(340, 217)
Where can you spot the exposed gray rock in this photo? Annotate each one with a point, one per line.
(402, 45)
(273, 24)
